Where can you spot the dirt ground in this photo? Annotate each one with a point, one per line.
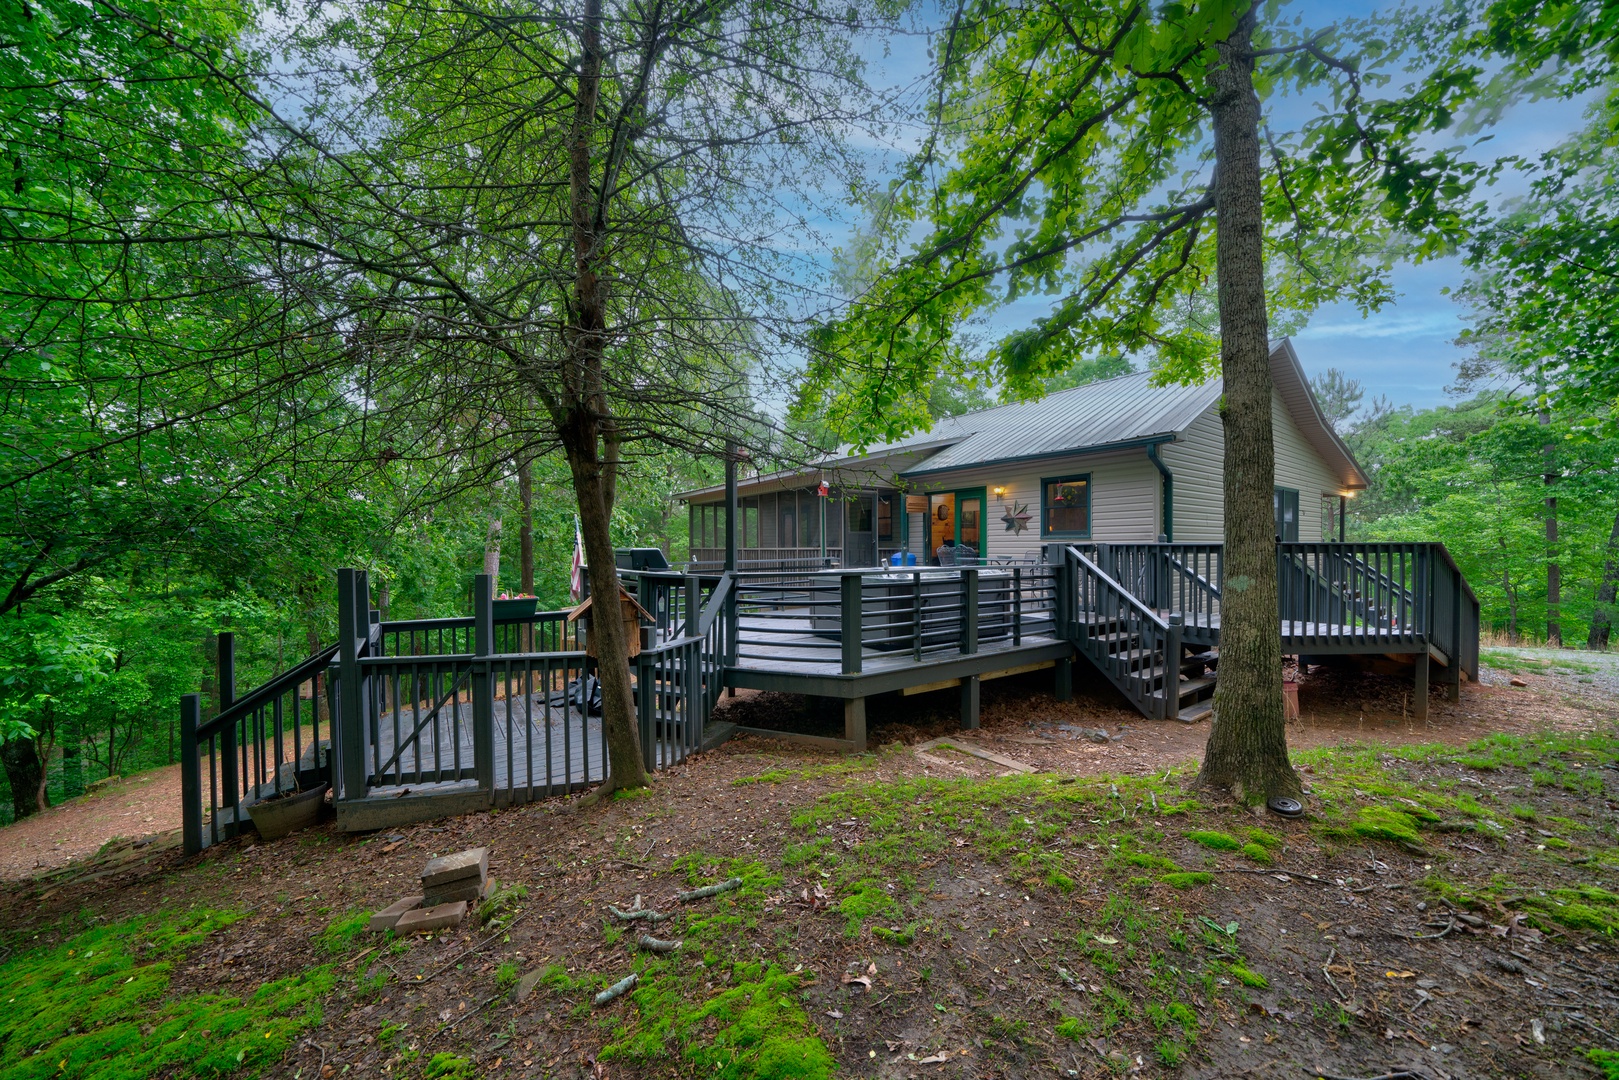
(1366, 979)
(1020, 719)
(128, 807)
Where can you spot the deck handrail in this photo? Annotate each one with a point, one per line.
(1124, 594)
(260, 696)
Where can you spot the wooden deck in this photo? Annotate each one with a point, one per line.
(540, 747)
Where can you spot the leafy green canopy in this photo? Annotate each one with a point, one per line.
(1470, 475)
(1071, 157)
(1544, 281)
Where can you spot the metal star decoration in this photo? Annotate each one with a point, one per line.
(1016, 517)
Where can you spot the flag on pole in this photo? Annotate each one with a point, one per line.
(576, 577)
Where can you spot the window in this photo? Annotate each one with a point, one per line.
(1065, 506)
(885, 517)
(1285, 501)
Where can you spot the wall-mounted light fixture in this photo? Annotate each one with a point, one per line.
(1000, 492)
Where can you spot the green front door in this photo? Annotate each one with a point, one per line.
(956, 517)
(970, 531)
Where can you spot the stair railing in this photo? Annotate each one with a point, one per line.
(1126, 640)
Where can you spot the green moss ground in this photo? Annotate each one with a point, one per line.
(1120, 876)
(97, 1006)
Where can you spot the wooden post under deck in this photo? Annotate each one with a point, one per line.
(854, 723)
(969, 703)
(1419, 691)
(1064, 690)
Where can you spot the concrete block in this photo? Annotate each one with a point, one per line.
(470, 890)
(388, 916)
(431, 918)
(457, 867)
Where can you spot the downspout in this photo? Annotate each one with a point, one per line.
(1168, 486)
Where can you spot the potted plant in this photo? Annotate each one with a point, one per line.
(288, 812)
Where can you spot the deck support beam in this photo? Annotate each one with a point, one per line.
(854, 723)
(969, 703)
(1065, 679)
(1419, 690)
(190, 774)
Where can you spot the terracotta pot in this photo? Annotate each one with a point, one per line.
(275, 818)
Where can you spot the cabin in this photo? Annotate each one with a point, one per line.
(1113, 461)
(1080, 529)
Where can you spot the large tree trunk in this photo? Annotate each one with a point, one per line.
(607, 630)
(1247, 749)
(25, 772)
(585, 426)
(1554, 572)
(525, 533)
(491, 551)
(1607, 592)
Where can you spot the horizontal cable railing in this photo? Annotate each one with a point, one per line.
(712, 559)
(843, 619)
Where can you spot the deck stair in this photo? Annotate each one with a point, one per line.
(1139, 610)
(1142, 651)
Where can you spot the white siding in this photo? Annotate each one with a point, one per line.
(1197, 461)
(1124, 498)
(1299, 465)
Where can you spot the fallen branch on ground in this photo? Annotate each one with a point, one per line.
(646, 914)
(710, 890)
(469, 951)
(652, 944)
(1402, 1074)
(622, 986)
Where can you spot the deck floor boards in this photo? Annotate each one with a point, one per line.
(524, 759)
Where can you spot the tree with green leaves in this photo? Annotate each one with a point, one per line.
(472, 236)
(1121, 158)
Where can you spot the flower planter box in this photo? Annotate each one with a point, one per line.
(277, 817)
(519, 608)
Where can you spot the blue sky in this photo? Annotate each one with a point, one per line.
(1407, 350)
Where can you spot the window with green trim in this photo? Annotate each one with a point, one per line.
(1065, 506)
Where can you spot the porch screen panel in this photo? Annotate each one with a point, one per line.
(809, 519)
(750, 523)
(787, 519)
(767, 520)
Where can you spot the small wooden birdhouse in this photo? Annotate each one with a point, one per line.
(628, 610)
